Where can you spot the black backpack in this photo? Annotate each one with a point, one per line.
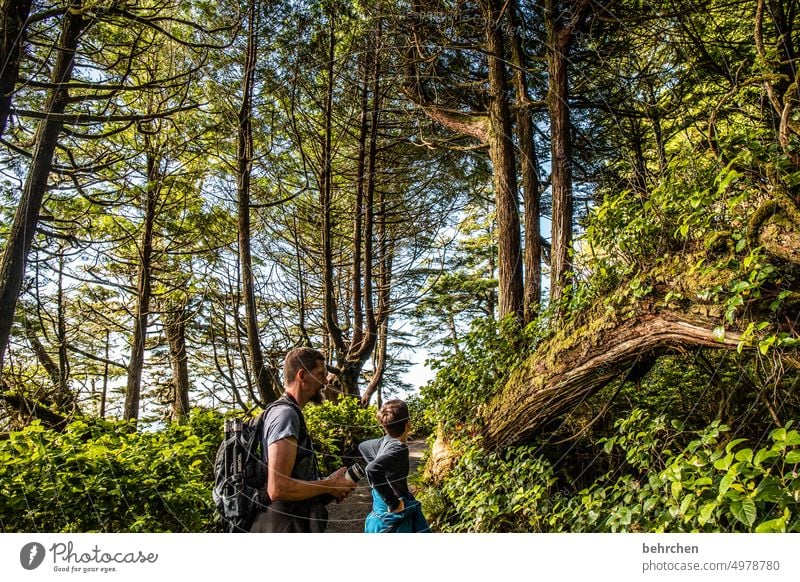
(240, 473)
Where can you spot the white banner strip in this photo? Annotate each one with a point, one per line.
(353, 557)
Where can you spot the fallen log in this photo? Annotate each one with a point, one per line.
(549, 384)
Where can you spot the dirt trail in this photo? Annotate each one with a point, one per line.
(348, 516)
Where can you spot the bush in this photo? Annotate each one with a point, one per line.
(421, 424)
(337, 428)
(101, 476)
(469, 377)
(492, 493)
(707, 484)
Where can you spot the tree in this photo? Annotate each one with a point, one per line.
(12, 31)
(491, 127)
(529, 168)
(699, 253)
(266, 382)
(84, 107)
(23, 228)
(561, 20)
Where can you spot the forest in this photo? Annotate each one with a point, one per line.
(584, 215)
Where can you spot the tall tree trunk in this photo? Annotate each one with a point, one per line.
(360, 207)
(561, 171)
(501, 152)
(104, 393)
(559, 38)
(12, 39)
(133, 390)
(175, 328)
(61, 334)
(334, 333)
(26, 218)
(376, 381)
(386, 251)
(530, 173)
(353, 355)
(265, 381)
(361, 350)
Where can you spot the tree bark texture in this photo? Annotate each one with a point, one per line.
(26, 218)
(504, 171)
(529, 165)
(144, 292)
(552, 381)
(561, 21)
(12, 39)
(175, 329)
(561, 169)
(265, 380)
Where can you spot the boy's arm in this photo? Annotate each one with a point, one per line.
(389, 464)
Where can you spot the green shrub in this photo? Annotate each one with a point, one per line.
(663, 479)
(470, 376)
(492, 493)
(337, 428)
(100, 476)
(421, 424)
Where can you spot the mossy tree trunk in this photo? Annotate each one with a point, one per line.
(553, 381)
(578, 362)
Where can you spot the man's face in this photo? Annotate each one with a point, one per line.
(315, 382)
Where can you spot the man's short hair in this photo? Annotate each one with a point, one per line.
(303, 358)
(393, 417)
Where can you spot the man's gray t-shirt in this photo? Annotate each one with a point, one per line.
(284, 421)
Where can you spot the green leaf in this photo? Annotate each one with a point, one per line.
(792, 438)
(765, 344)
(778, 435)
(705, 513)
(725, 484)
(686, 503)
(769, 490)
(745, 455)
(724, 463)
(777, 525)
(793, 457)
(763, 455)
(731, 445)
(744, 511)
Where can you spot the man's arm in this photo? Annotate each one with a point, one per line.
(281, 486)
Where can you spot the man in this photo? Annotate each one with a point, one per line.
(293, 483)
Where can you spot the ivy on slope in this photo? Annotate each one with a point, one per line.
(667, 480)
